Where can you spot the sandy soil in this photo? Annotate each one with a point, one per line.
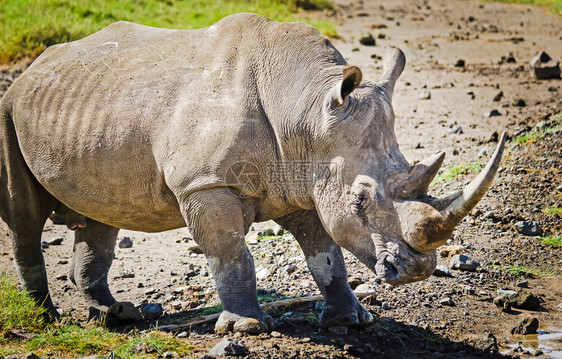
(434, 35)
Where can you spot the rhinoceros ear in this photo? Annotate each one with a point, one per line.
(351, 79)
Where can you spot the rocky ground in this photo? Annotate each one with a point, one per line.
(465, 59)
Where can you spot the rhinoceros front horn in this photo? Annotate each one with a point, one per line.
(434, 227)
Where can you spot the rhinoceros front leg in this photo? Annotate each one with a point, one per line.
(325, 261)
(216, 221)
(94, 246)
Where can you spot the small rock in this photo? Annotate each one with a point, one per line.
(528, 228)
(143, 348)
(354, 282)
(276, 334)
(61, 277)
(364, 288)
(32, 356)
(55, 241)
(469, 290)
(526, 326)
(169, 355)
(177, 305)
(290, 268)
(447, 301)
(460, 63)
(195, 249)
(122, 313)
(492, 113)
(386, 306)
(339, 330)
(447, 251)
(183, 335)
(456, 129)
(319, 306)
(507, 292)
(520, 300)
(542, 125)
(442, 271)
(262, 273)
(367, 39)
(229, 347)
(544, 67)
(44, 245)
(248, 325)
(252, 239)
(463, 263)
(487, 343)
(525, 300)
(498, 96)
(519, 102)
(152, 311)
(126, 242)
(425, 95)
(522, 284)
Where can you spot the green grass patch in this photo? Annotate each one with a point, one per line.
(553, 211)
(211, 310)
(552, 241)
(18, 310)
(29, 26)
(554, 6)
(524, 272)
(534, 135)
(454, 172)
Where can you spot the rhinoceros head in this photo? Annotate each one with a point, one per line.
(374, 203)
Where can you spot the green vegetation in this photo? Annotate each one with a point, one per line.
(524, 272)
(29, 26)
(211, 310)
(552, 241)
(454, 172)
(554, 6)
(20, 313)
(534, 135)
(553, 211)
(18, 309)
(311, 317)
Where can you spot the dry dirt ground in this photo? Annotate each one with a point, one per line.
(496, 42)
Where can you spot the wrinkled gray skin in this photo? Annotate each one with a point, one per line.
(149, 129)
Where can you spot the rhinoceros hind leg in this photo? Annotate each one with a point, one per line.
(325, 261)
(94, 247)
(216, 221)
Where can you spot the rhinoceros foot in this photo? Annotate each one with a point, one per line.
(336, 315)
(230, 322)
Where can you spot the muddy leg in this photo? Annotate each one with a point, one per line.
(325, 261)
(25, 206)
(94, 246)
(215, 218)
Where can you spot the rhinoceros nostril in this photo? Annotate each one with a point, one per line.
(386, 270)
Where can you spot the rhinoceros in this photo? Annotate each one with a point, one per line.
(247, 120)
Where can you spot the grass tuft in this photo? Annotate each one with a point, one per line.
(553, 211)
(454, 172)
(552, 241)
(29, 26)
(18, 310)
